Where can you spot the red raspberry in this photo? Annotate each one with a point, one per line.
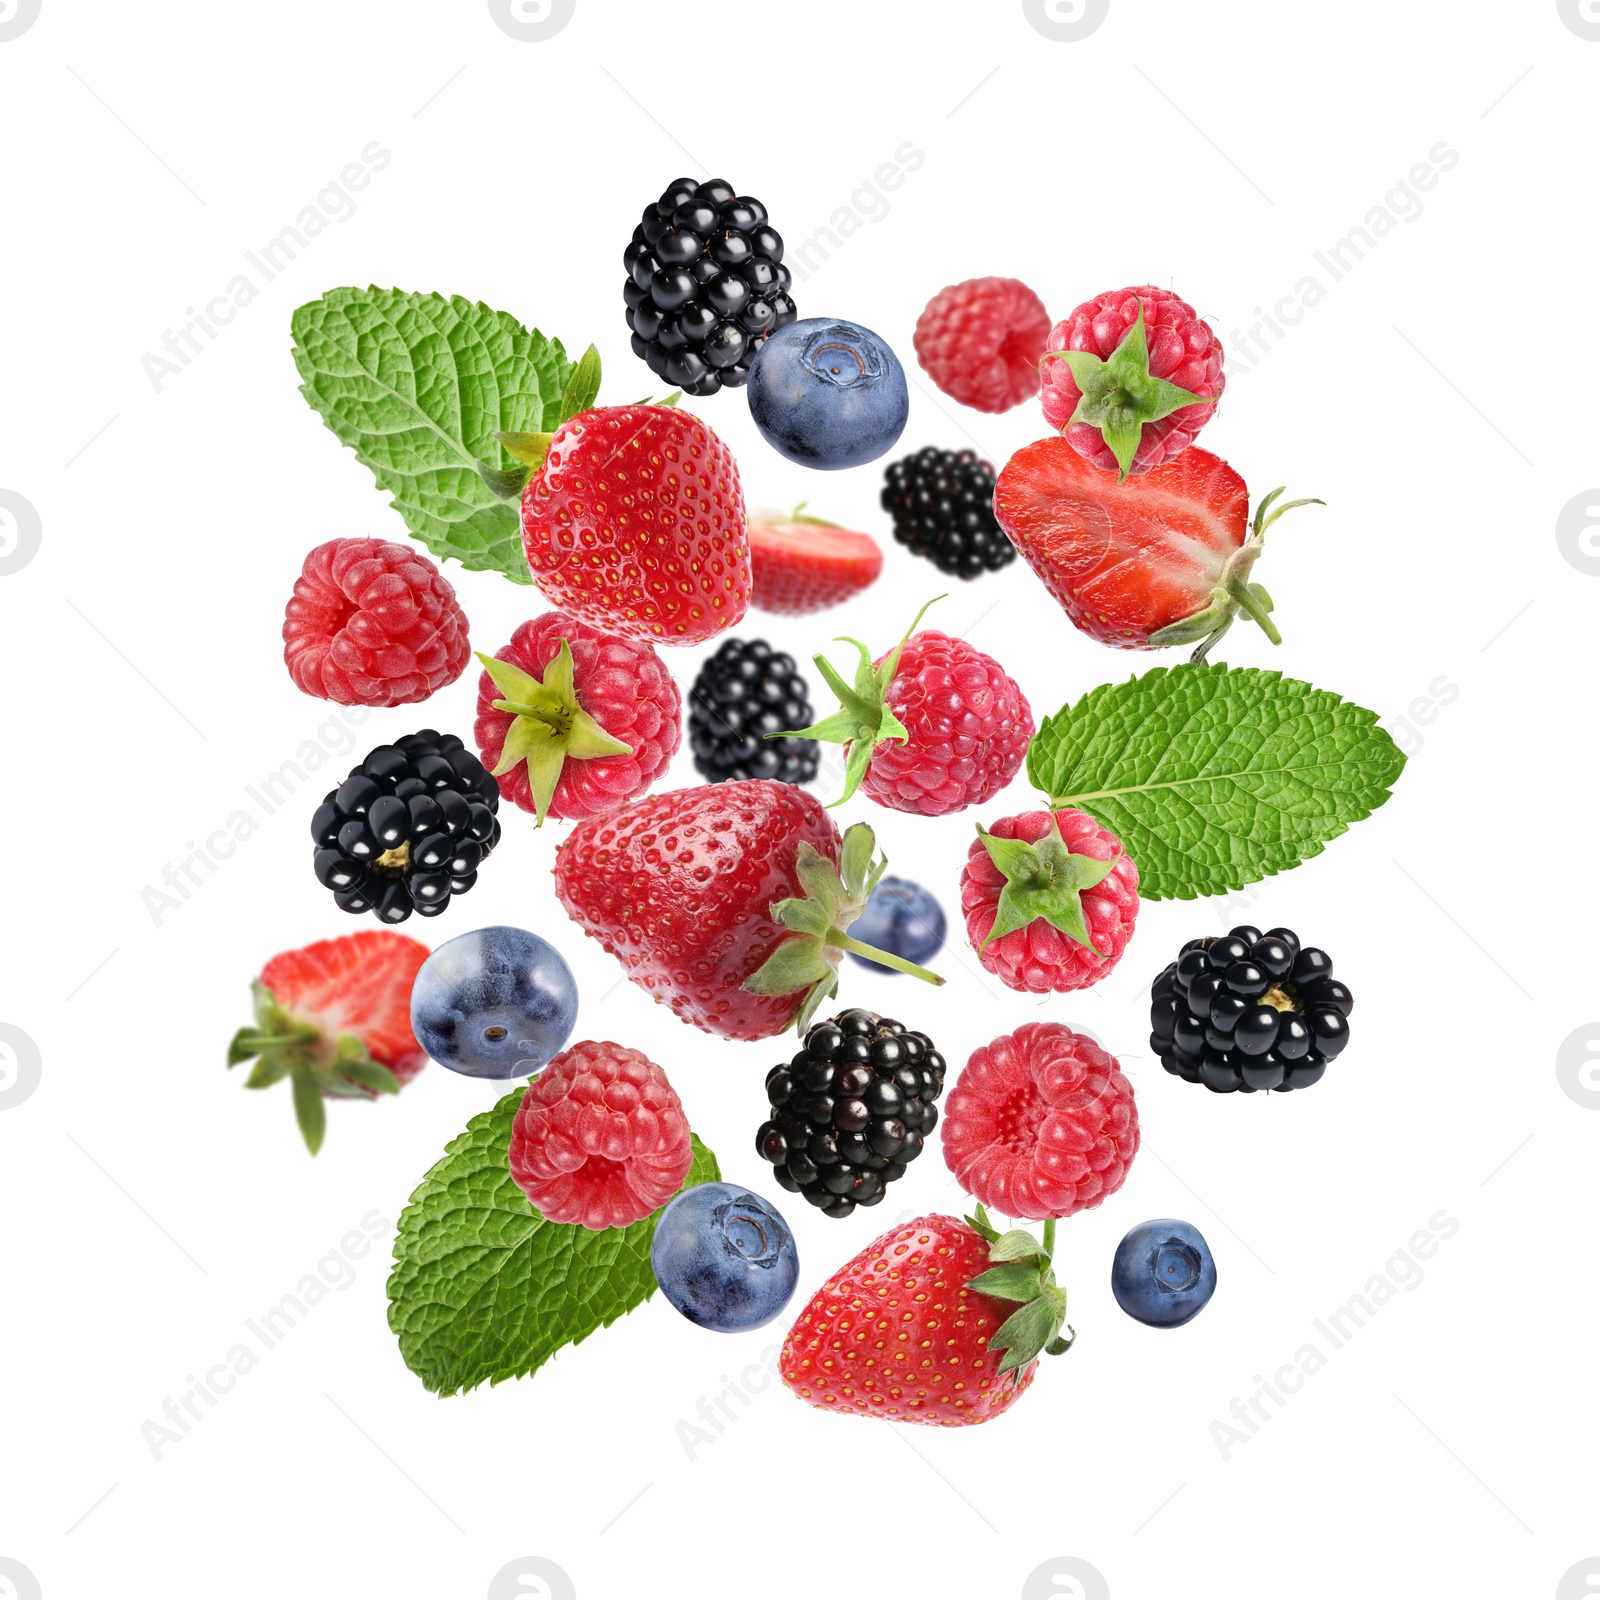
(372, 624)
(1064, 917)
(930, 728)
(1179, 348)
(1041, 1123)
(619, 684)
(980, 341)
(600, 1138)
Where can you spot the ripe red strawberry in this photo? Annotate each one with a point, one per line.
(1164, 559)
(1050, 900)
(334, 1018)
(980, 341)
(802, 564)
(932, 727)
(1130, 378)
(372, 624)
(600, 1138)
(1041, 1123)
(572, 721)
(938, 1322)
(728, 903)
(635, 522)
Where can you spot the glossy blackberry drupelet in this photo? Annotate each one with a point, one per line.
(942, 502)
(744, 692)
(407, 829)
(706, 284)
(850, 1110)
(1249, 1011)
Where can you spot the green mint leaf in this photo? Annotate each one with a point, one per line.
(583, 387)
(418, 386)
(1215, 777)
(483, 1288)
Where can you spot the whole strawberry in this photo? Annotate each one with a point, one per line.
(572, 721)
(1161, 560)
(801, 564)
(939, 1322)
(372, 624)
(635, 522)
(728, 903)
(1050, 900)
(980, 341)
(1041, 1123)
(932, 727)
(600, 1138)
(1130, 378)
(335, 1019)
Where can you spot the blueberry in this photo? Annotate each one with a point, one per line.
(724, 1258)
(902, 918)
(1162, 1273)
(494, 1003)
(827, 394)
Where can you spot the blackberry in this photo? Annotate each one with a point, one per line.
(744, 692)
(706, 284)
(1249, 1011)
(942, 502)
(406, 829)
(851, 1110)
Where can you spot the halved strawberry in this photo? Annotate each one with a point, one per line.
(335, 1018)
(802, 564)
(1160, 559)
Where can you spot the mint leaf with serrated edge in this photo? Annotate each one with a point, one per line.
(1214, 777)
(418, 386)
(483, 1288)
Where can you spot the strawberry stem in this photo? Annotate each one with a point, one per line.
(843, 941)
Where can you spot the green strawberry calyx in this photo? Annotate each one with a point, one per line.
(834, 896)
(864, 718)
(1046, 880)
(528, 450)
(1119, 395)
(286, 1046)
(1234, 591)
(1020, 1269)
(548, 725)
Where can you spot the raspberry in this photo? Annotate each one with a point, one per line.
(942, 502)
(1179, 348)
(980, 341)
(372, 624)
(969, 727)
(1064, 918)
(620, 685)
(600, 1138)
(1041, 1123)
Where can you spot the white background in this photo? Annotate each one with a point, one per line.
(1439, 398)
